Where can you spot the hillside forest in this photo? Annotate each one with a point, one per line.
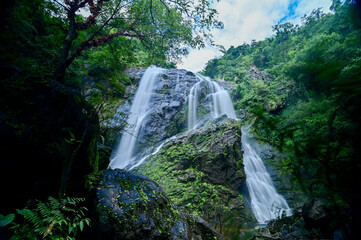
(306, 97)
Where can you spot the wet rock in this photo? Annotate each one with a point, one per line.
(314, 212)
(188, 176)
(131, 206)
(294, 236)
(167, 106)
(134, 73)
(327, 221)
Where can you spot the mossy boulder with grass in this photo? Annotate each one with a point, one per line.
(131, 206)
(202, 170)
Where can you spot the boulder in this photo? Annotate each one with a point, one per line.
(131, 206)
(330, 222)
(314, 213)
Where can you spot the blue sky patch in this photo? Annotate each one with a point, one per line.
(291, 11)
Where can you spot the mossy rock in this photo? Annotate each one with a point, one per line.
(202, 170)
(131, 206)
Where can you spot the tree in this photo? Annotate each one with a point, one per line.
(336, 4)
(162, 25)
(283, 30)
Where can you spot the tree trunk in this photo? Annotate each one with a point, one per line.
(64, 60)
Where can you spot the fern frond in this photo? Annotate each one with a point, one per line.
(55, 203)
(65, 215)
(30, 216)
(67, 209)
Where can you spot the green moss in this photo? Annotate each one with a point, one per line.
(202, 111)
(125, 183)
(179, 169)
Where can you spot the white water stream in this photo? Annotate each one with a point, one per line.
(221, 101)
(266, 203)
(138, 112)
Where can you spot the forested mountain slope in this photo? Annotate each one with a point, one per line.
(302, 86)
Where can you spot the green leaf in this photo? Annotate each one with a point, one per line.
(81, 225)
(87, 221)
(5, 220)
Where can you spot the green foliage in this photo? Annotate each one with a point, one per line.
(5, 220)
(54, 219)
(302, 86)
(30, 37)
(48, 40)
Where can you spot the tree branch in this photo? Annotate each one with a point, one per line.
(56, 1)
(113, 53)
(152, 16)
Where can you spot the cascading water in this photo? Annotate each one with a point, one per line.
(138, 112)
(221, 102)
(266, 203)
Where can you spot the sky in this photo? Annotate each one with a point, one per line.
(245, 20)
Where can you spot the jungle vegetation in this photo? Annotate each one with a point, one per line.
(305, 97)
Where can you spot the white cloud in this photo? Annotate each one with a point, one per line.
(197, 59)
(245, 20)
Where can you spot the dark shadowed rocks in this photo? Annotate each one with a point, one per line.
(131, 206)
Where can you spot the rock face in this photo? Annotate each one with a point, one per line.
(45, 128)
(131, 206)
(318, 216)
(202, 170)
(256, 74)
(167, 115)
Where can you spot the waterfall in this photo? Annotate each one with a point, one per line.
(138, 112)
(221, 102)
(206, 100)
(266, 203)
